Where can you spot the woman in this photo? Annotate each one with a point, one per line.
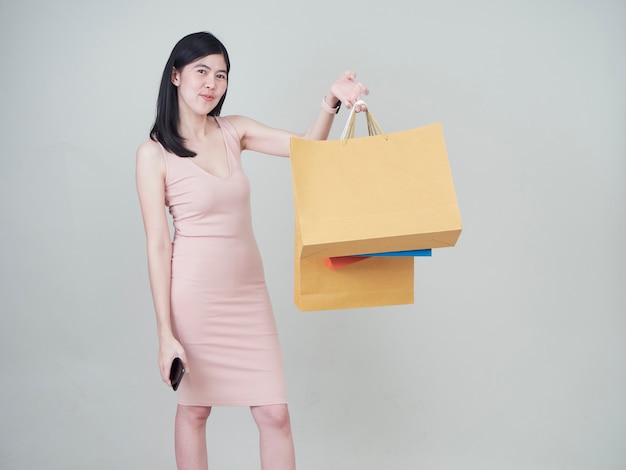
(208, 286)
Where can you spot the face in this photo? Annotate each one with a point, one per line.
(201, 84)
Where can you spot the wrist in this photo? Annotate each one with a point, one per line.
(331, 106)
(165, 336)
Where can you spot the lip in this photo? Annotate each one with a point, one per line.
(207, 97)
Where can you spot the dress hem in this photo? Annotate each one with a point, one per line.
(237, 403)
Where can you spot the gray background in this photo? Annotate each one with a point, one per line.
(513, 355)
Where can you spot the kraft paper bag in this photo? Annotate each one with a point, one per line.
(373, 282)
(379, 193)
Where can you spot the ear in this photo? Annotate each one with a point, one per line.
(175, 77)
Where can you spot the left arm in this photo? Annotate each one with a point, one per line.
(261, 138)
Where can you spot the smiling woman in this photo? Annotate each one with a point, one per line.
(193, 47)
(208, 285)
(200, 84)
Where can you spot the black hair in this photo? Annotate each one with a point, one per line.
(189, 49)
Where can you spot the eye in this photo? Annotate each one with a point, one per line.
(221, 76)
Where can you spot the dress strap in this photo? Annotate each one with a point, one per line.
(164, 152)
(232, 136)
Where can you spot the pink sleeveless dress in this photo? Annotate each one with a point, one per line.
(221, 311)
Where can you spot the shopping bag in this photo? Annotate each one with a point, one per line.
(376, 281)
(414, 253)
(379, 193)
(338, 262)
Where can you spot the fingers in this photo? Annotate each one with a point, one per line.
(348, 91)
(349, 100)
(349, 103)
(167, 354)
(184, 359)
(165, 372)
(349, 75)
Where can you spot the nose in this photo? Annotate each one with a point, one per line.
(210, 82)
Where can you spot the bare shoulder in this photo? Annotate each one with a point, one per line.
(149, 150)
(240, 123)
(150, 157)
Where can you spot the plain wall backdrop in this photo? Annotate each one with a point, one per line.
(513, 356)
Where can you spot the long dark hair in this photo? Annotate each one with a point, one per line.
(187, 50)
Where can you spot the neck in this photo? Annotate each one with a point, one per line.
(194, 127)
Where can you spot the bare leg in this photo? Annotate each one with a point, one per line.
(190, 437)
(277, 452)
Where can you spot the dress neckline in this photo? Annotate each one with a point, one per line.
(228, 156)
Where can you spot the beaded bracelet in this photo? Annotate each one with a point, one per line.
(330, 110)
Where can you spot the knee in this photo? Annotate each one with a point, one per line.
(272, 416)
(193, 414)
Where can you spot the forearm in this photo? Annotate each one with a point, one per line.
(320, 128)
(160, 269)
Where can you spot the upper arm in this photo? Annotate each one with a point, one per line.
(150, 180)
(261, 138)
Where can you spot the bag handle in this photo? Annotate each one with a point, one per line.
(373, 128)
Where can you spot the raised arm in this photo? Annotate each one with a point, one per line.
(260, 138)
(150, 179)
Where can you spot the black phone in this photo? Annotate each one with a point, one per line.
(176, 372)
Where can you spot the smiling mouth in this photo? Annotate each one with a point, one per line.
(207, 97)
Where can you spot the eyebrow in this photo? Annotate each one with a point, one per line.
(207, 67)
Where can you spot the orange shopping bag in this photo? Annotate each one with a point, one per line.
(380, 193)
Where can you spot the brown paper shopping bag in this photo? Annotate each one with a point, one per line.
(383, 192)
(370, 283)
